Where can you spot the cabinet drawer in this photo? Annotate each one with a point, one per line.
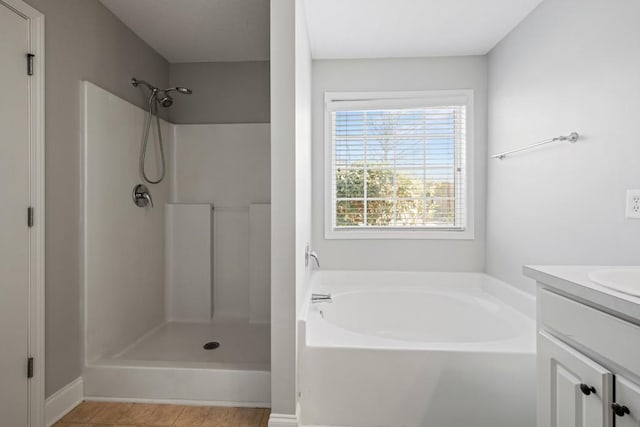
(606, 335)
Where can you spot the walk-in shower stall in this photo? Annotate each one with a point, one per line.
(176, 253)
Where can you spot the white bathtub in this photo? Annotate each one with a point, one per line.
(417, 349)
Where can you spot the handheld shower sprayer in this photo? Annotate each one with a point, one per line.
(184, 90)
(162, 97)
(166, 100)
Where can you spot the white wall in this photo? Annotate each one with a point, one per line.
(572, 65)
(227, 166)
(290, 192)
(303, 74)
(123, 244)
(283, 233)
(303, 152)
(392, 75)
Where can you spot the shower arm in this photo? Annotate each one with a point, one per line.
(135, 83)
(184, 90)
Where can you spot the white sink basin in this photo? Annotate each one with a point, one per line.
(626, 280)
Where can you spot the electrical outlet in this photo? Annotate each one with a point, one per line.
(633, 204)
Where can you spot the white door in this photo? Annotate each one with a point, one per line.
(14, 231)
(627, 403)
(574, 391)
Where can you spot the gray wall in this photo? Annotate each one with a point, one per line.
(572, 65)
(84, 41)
(468, 72)
(223, 92)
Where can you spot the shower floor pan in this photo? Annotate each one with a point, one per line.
(170, 364)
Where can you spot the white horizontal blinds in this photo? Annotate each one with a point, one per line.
(399, 168)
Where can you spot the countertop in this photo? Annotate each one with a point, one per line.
(573, 281)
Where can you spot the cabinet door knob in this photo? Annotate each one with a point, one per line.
(587, 389)
(619, 410)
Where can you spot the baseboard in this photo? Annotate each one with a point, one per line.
(187, 402)
(63, 400)
(283, 420)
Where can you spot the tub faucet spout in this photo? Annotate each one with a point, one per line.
(317, 298)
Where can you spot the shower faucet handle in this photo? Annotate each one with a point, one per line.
(148, 198)
(141, 196)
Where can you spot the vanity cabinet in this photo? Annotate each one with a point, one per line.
(588, 363)
(627, 401)
(575, 391)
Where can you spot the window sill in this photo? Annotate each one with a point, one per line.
(399, 234)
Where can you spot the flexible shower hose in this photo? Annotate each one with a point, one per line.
(153, 111)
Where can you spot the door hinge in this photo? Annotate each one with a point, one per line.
(30, 60)
(30, 216)
(30, 367)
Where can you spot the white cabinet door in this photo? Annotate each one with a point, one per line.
(627, 403)
(573, 390)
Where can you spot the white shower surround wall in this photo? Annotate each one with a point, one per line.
(188, 262)
(124, 250)
(417, 349)
(227, 166)
(123, 244)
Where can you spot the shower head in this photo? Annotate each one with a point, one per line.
(166, 100)
(183, 90)
(161, 95)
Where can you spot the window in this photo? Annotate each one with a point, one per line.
(397, 165)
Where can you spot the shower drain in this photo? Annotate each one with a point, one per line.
(212, 345)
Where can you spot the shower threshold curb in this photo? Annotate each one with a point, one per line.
(177, 384)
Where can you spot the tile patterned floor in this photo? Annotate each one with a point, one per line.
(116, 414)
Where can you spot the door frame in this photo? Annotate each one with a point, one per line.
(36, 200)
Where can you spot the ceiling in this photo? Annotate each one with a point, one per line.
(199, 30)
(238, 30)
(410, 28)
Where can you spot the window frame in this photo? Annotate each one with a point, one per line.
(400, 99)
